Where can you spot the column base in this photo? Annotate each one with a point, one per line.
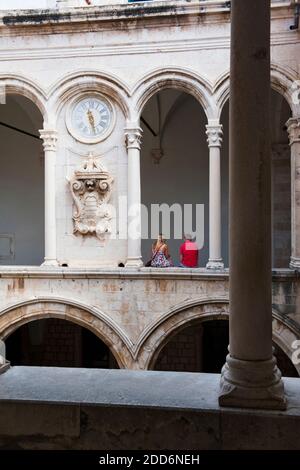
(4, 367)
(134, 263)
(252, 384)
(295, 263)
(216, 264)
(50, 262)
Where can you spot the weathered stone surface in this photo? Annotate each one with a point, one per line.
(100, 409)
(133, 311)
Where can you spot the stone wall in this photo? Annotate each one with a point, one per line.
(183, 352)
(134, 312)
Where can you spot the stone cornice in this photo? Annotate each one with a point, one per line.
(136, 13)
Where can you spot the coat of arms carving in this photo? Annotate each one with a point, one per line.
(91, 188)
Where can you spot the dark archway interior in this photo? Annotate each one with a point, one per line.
(202, 347)
(57, 343)
(21, 183)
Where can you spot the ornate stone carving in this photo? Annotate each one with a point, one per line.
(293, 127)
(91, 188)
(49, 138)
(214, 135)
(133, 138)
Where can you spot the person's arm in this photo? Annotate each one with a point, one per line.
(166, 251)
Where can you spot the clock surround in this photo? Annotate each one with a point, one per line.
(90, 118)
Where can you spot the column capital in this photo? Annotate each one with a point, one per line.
(49, 138)
(293, 127)
(214, 134)
(133, 137)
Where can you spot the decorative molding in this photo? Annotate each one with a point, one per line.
(133, 138)
(293, 127)
(91, 188)
(214, 134)
(49, 138)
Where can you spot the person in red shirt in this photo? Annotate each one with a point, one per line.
(188, 253)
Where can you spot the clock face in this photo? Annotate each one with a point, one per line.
(90, 119)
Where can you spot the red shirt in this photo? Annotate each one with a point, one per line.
(189, 254)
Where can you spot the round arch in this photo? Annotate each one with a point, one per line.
(282, 81)
(90, 318)
(178, 78)
(18, 85)
(88, 81)
(158, 334)
(284, 336)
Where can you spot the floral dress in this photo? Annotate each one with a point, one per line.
(159, 260)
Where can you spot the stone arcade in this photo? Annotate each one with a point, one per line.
(121, 101)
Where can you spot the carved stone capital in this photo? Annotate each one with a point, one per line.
(133, 138)
(214, 135)
(293, 127)
(49, 138)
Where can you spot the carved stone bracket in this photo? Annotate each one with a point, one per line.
(91, 188)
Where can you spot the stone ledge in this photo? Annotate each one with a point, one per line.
(119, 409)
(44, 272)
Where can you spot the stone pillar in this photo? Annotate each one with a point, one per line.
(214, 138)
(250, 377)
(293, 126)
(49, 138)
(133, 142)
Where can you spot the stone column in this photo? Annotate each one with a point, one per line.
(293, 126)
(250, 377)
(133, 142)
(49, 138)
(214, 138)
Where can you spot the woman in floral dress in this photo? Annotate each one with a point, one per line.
(160, 254)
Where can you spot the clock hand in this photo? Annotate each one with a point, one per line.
(91, 119)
